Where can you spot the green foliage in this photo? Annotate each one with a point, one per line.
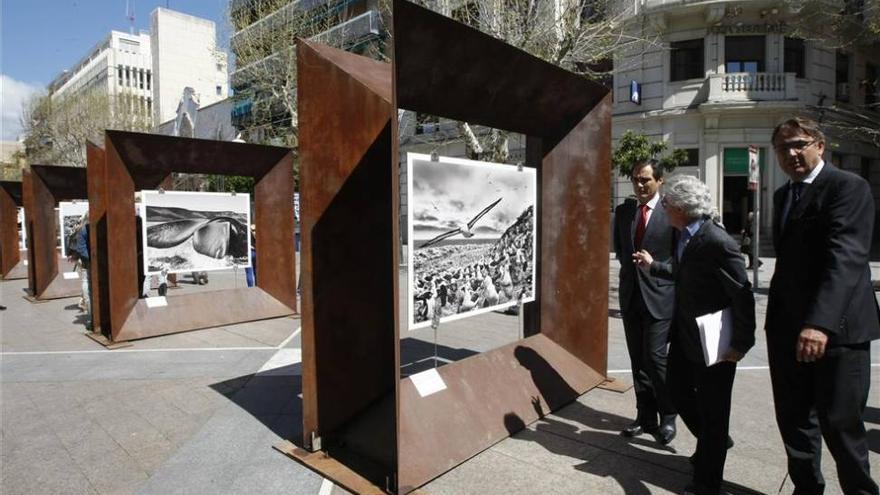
(231, 183)
(633, 148)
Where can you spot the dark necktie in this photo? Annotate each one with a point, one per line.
(797, 189)
(641, 226)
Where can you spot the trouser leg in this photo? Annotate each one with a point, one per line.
(794, 402)
(714, 386)
(654, 360)
(843, 378)
(682, 388)
(635, 335)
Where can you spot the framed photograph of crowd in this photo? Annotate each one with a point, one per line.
(195, 231)
(70, 214)
(471, 229)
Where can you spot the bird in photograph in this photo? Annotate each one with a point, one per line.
(466, 230)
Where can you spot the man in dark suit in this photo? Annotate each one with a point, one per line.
(646, 301)
(822, 314)
(710, 276)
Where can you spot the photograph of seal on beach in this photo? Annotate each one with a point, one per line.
(69, 215)
(471, 229)
(195, 231)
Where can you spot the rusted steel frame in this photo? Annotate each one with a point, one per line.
(348, 256)
(10, 251)
(480, 80)
(44, 186)
(134, 162)
(95, 169)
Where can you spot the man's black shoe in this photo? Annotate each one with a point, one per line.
(635, 429)
(666, 432)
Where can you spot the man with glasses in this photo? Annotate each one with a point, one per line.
(646, 301)
(821, 314)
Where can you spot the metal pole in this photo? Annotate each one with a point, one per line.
(756, 229)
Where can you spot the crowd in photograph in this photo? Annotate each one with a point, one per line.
(501, 274)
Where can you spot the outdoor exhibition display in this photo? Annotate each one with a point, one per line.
(70, 214)
(44, 187)
(366, 425)
(472, 229)
(13, 266)
(183, 232)
(195, 231)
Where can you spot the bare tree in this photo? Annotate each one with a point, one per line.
(848, 26)
(580, 36)
(56, 129)
(264, 45)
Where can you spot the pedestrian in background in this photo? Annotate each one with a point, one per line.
(646, 301)
(710, 276)
(822, 313)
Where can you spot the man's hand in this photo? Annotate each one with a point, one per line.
(642, 258)
(732, 355)
(811, 344)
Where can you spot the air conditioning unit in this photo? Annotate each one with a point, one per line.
(842, 91)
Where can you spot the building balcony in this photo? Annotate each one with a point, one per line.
(352, 31)
(740, 87)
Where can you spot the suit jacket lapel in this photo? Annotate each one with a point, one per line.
(778, 206)
(695, 241)
(811, 191)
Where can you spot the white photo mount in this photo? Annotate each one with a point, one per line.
(186, 232)
(459, 208)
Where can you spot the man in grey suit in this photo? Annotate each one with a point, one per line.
(646, 301)
(822, 314)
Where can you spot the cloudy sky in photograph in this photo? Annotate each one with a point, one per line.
(445, 195)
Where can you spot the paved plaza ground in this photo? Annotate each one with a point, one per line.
(199, 413)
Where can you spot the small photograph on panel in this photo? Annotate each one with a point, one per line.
(70, 216)
(471, 229)
(195, 231)
(22, 230)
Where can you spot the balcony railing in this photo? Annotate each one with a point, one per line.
(351, 31)
(746, 86)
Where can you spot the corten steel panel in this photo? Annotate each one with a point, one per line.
(11, 265)
(446, 68)
(449, 70)
(96, 180)
(575, 220)
(488, 397)
(203, 310)
(44, 187)
(134, 161)
(348, 262)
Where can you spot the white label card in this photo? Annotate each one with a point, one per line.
(428, 382)
(156, 302)
(70, 275)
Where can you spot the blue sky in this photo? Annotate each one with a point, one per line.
(41, 38)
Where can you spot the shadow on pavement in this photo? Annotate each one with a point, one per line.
(273, 397)
(583, 425)
(417, 355)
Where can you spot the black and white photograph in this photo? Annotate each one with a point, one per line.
(70, 214)
(195, 231)
(471, 228)
(22, 230)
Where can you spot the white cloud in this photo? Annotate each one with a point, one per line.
(13, 94)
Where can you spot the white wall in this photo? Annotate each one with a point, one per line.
(185, 54)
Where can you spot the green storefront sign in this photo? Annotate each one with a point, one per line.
(736, 160)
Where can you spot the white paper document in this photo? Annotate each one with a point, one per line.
(70, 275)
(156, 302)
(428, 382)
(716, 330)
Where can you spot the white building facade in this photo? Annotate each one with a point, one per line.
(154, 67)
(185, 54)
(120, 64)
(719, 77)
